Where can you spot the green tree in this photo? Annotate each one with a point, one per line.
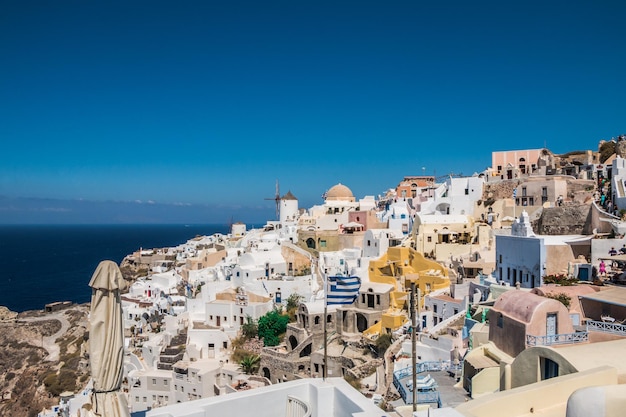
(271, 326)
(383, 342)
(293, 302)
(249, 329)
(250, 364)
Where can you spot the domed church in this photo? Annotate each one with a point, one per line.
(339, 192)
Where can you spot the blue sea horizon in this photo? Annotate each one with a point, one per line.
(40, 264)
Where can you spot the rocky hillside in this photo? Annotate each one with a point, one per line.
(41, 357)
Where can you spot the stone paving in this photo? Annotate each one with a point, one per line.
(450, 394)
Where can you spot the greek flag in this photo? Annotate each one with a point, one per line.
(342, 290)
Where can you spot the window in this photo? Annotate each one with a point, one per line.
(225, 344)
(523, 191)
(429, 239)
(378, 300)
(153, 381)
(549, 368)
(145, 399)
(467, 191)
(166, 382)
(322, 243)
(434, 308)
(499, 168)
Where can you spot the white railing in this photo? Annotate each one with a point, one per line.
(602, 326)
(297, 407)
(557, 339)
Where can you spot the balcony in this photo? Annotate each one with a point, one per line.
(557, 339)
(297, 407)
(606, 327)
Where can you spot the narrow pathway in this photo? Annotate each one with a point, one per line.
(49, 342)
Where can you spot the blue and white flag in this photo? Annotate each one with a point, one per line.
(342, 290)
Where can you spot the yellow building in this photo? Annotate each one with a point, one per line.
(399, 267)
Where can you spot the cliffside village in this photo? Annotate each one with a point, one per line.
(517, 297)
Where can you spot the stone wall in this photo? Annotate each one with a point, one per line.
(566, 220)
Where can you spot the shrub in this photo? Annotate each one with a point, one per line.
(271, 326)
(560, 279)
(382, 343)
(249, 329)
(562, 297)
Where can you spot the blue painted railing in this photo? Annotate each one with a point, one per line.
(557, 339)
(602, 326)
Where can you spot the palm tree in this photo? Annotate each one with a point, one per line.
(250, 364)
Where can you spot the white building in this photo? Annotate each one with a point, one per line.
(288, 208)
(230, 309)
(258, 264)
(315, 397)
(377, 241)
(521, 256)
(455, 196)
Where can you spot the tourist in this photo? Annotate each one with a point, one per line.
(602, 268)
(612, 252)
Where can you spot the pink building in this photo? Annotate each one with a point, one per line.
(507, 163)
(517, 314)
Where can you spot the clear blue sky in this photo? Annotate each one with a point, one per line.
(200, 106)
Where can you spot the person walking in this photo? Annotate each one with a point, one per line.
(602, 268)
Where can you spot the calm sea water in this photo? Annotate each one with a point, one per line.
(43, 264)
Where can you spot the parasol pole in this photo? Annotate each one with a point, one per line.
(325, 364)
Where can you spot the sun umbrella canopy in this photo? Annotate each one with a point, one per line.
(106, 341)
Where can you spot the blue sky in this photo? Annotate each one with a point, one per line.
(188, 112)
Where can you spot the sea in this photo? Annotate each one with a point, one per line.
(40, 264)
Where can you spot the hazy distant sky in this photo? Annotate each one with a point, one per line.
(200, 106)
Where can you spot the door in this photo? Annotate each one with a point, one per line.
(551, 328)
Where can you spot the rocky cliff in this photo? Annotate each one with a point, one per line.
(41, 356)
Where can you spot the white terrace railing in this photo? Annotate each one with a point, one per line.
(557, 339)
(297, 407)
(607, 327)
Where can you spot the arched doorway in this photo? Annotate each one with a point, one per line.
(306, 351)
(266, 373)
(361, 322)
(293, 342)
(310, 243)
